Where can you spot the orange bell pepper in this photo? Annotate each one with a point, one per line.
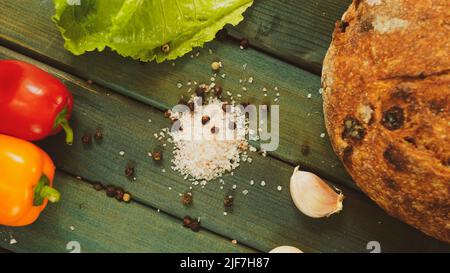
(26, 178)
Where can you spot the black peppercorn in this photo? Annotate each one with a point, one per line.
(218, 90)
(305, 149)
(86, 139)
(98, 186)
(187, 221)
(191, 106)
(129, 171)
(195, 226)
(228, 201)
(214, 130)
(110, 191)
(98, 135)
(119, 194)
(205, 119)
(244, 43)
(187, 198)
(200, 91)
(157, 156)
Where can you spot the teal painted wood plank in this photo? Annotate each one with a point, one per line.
(263, 219)
(301, 118)
(101, 224)
(298, 32)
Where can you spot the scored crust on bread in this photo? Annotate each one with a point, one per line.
(386, 90)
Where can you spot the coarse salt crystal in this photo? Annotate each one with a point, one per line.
(207, 158)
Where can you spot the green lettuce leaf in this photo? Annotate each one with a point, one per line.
(139, 28)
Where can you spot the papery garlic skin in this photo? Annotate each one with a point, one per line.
(314, 197)
(285, 249)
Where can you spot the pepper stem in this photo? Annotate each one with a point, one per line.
(51, 194)
(44, 191)
(62, 121)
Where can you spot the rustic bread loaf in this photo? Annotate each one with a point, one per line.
(386, 82)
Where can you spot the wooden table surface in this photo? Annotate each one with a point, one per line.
(288, 42)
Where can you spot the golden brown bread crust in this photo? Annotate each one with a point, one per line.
(386, 82)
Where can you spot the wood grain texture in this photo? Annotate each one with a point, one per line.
(102, 224)
(263, 219)
(298, 31)
(301, 118)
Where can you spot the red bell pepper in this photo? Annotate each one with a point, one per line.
(33, 103)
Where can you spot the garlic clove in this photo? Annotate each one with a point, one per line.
(314, 197)
(285, 249)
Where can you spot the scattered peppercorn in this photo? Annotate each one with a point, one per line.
(98, 134)
(187, 198)
(119, 194)
(228, 201)
(110, 191)
(86, 139)
(214, 130)
(200, 91)
(126, 197)
(129, 171)
(305, 149)
(98, 186)
(218, 90)
(195, 226)
(244, 43)
(205, 119)
(191, 106)
(187, 221)
(165, 48)
(157, 156)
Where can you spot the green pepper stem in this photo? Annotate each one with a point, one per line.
(51, 194)
(43, 191)
(69, 132)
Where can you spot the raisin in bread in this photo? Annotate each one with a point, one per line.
(386, 81)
